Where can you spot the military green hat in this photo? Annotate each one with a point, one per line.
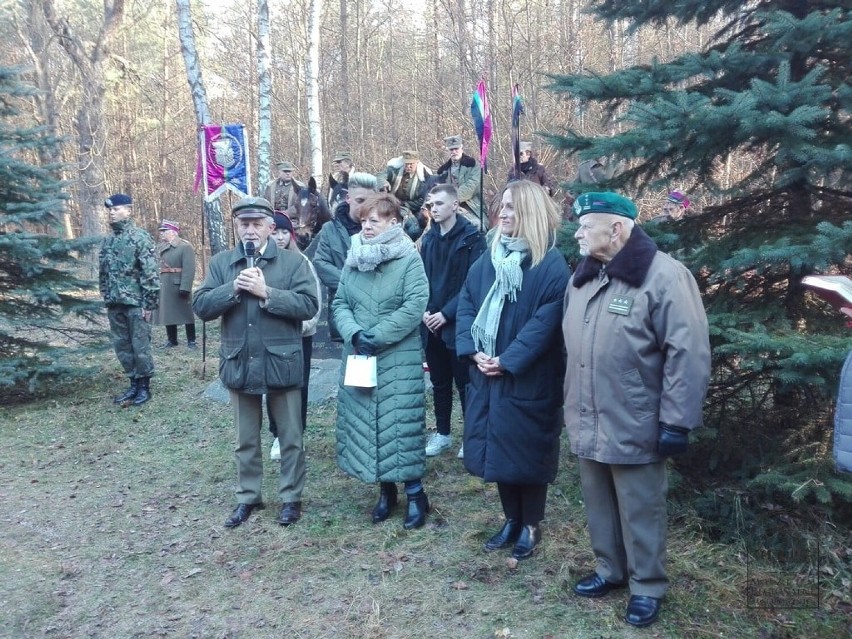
(605, 202)
(342, 155)
(285, 166)
(453, 142)
(410, 156)
(252, 207)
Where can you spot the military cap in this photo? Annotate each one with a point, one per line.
(119, 199)
(410, 156)
(453, 142)
(252, 207)
(605, 202)
(169, 225)
(525, 146)
(342, 155)
(284, 165)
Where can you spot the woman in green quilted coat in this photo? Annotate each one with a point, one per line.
(378, 309)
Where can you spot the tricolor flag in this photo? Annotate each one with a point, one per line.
(223, 160)
(481, 122)
(517, 111)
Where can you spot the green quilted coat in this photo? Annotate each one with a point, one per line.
(381, 431)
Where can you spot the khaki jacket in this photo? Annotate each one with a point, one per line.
(261, 346)
(638, 353)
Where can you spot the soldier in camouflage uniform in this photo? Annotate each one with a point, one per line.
(130, 285)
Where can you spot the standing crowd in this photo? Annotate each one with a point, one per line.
(616, 352)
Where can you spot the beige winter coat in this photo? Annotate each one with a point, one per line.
(638, 353)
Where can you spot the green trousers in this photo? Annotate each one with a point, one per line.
(131, 338)
(286, 408)
(626, 509)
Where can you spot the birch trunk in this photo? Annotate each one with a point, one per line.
(314, 122)
(212, 211)
(264, 91)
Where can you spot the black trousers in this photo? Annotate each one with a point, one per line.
(445, 368)
(171, 333)
(307, 352)
(523, 502)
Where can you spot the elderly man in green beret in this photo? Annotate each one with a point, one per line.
(263, 294)
(638, 355)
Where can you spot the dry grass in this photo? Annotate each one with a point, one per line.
(112, 527)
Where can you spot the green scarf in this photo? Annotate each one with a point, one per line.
(506, 256)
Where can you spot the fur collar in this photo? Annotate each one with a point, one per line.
(629, 265)
(466, 160)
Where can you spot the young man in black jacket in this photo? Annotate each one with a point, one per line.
(448, 249)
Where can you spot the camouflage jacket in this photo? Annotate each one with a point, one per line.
(129, 273)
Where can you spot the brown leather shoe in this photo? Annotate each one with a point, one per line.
(291, 512)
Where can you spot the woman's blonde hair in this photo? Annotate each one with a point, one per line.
(536, 217)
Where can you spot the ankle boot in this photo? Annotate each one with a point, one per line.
(530, 536)
(129, 394)
(507, 536)
(418, 506)
(387, 502)
(144, 392)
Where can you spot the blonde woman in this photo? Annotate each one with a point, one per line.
(509, 327)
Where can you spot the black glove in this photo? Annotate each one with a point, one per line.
(672, 440)
(364, 344)
(184, 295)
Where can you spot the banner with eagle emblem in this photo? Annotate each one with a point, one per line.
(223, 161)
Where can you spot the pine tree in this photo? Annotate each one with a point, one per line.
(39, 293)
(772, 86)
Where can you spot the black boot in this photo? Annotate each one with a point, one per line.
(144, 393)
(129, 394)
(507, 536)
(528, 540)
(387, 502)
(418, 506)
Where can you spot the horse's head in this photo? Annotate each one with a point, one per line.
(311, 212)
(339, 185)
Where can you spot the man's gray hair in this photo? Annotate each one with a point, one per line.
(363, 180)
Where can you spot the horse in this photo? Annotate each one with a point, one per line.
(337, 189)
(311, 212)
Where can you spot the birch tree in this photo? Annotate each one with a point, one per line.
(212, 211)
(314, 122)
(264, 92)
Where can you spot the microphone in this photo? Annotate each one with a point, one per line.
(250, 251)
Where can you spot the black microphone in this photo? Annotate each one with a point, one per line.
(249, 248)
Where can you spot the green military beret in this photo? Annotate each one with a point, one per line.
(605, 202)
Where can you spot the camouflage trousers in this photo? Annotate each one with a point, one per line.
(131, 338)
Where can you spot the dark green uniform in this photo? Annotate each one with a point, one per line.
(129, 280)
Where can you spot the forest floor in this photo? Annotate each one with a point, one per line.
(112, 527)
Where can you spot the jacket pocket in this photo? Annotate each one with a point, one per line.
(636, 394)
(232, 367)
(283, 365)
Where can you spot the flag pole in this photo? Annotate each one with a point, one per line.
(481, 115)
